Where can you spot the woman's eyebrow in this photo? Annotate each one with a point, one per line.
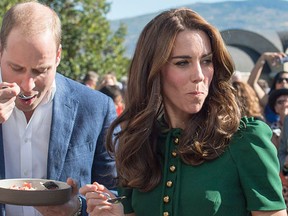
(181, 56)
(189, 57)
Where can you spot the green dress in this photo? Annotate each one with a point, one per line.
(245, 178)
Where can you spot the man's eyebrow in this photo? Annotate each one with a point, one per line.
(14, 64)
(41, 67)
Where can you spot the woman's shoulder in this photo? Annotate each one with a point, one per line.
(253, 125)
(252, 133)
(251, 146)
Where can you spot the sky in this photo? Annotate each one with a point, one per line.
(131, 8)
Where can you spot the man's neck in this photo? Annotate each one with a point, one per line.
(28, 115)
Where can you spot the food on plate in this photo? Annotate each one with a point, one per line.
(25, 186)
(50, 185)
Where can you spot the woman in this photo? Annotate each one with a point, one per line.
(183, 148)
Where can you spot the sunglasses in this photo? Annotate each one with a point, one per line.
(281, 80)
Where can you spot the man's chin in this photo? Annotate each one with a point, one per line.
(26, 107)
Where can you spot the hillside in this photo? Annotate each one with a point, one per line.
(255, 15)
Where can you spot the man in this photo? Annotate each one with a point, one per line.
(52, 127)
(91, 79)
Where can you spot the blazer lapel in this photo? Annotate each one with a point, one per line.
(63, 118)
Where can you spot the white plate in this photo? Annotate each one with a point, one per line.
(38, 197)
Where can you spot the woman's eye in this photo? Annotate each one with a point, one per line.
(207, 61)
(182, 63)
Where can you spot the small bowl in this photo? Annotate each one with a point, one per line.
(41, 196)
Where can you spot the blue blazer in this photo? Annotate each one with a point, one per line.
(80, 118)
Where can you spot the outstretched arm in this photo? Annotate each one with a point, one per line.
(255, 74)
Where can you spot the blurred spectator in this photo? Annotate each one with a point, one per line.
(111, 80)
(247, 100)
(114, 92)
(91, 79)
(278, 102)
(124, 81)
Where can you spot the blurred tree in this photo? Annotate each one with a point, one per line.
(87, 40)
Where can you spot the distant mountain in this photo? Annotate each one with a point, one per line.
(254, 15)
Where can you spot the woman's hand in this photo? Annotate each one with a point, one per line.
(97, 202)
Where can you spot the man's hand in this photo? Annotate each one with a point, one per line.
(8, 95)
(67, 209)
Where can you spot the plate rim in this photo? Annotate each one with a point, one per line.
(23, 197)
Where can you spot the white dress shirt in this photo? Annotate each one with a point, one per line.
(26, 147)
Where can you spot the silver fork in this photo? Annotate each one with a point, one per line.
(112, 200)
(116, 199)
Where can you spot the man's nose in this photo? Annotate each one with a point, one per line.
(27, 83)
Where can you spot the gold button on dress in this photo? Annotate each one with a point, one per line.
(169, 184)
(166, 199)
(172, 168)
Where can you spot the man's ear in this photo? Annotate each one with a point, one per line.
(58, 56)
(0, 50)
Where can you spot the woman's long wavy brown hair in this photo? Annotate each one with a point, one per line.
(209, 131)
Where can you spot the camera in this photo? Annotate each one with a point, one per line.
(283, 60)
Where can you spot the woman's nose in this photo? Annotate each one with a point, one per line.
(197, 73)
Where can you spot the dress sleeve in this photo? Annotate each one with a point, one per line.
(256, 159)
(127, 203)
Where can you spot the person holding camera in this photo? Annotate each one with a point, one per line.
(280, 81)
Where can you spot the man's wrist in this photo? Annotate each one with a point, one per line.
(79, 210)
